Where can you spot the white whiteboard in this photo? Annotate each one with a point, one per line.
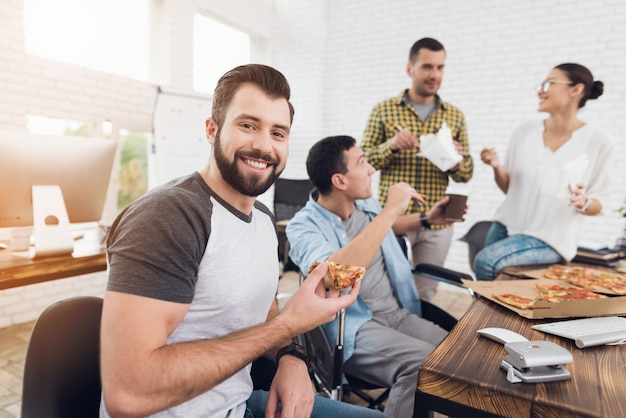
(180, 145)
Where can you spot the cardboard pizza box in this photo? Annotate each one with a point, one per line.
(612, 305)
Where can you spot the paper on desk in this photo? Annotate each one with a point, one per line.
(439, 149)
(572, 174)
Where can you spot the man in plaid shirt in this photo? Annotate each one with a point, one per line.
(391, 144)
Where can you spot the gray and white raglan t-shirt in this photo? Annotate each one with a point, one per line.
(182, 243)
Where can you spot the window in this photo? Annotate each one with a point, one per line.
(133, 180)
(217, 48)
(103, 35)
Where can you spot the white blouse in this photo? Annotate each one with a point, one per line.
(537, 201)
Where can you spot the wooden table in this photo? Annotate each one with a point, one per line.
(19, 271)
(462, 376)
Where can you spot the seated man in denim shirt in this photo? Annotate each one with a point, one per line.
(386, 340)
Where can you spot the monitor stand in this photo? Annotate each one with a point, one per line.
(51, 225)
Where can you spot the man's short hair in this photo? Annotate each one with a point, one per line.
(425, 43)
(271, 81)
(326, 158)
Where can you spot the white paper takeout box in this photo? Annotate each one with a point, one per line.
(439, 149)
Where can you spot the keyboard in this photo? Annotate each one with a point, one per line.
(588, 332)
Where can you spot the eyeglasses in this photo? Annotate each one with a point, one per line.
(545, 85)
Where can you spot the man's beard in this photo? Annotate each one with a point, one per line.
(247, 185)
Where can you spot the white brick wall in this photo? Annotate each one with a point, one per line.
(341, 57)
(497, 53)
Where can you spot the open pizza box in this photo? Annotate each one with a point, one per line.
(613, 305)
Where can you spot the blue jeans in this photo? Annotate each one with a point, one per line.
(502, 250)
(323, 408)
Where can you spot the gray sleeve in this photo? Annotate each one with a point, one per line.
(156, 244)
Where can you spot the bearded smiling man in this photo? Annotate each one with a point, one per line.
(193, 274)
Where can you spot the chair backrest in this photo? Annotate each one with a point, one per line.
(62, 370)
(290, 195)
(475, 238)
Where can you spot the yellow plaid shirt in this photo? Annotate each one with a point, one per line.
(405, 165)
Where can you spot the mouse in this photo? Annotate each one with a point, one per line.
(501, 335)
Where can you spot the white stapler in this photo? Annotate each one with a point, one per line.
(530, 361)
(536, 361)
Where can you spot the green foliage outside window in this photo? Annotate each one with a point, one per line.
(133, 167)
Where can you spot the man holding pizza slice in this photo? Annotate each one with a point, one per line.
(190, 300)
(386, 340)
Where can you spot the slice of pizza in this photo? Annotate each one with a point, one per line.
(555, 271)
(340, 276)
(521, 302)
(613, 282)
(586, 280)
(561, 272)
(557, 293)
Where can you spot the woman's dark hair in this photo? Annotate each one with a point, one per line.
(271, 81)
(577, 73)
(326, 158)
(424, 43)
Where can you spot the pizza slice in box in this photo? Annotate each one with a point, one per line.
(560, 293)
(521, 302)
(613, 282)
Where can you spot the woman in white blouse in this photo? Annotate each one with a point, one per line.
(556, 172)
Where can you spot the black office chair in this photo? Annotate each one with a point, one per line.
(62, 370)
(475, 239)
(290, 195)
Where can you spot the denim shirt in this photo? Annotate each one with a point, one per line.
(315, 233)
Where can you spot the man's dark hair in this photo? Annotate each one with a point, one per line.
(425, 43)
(271, 81)
(326, 158)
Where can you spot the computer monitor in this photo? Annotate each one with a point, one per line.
(49, 181)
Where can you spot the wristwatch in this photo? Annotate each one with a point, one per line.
(293, 349)
(424, 221)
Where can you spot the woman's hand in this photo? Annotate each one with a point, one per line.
(578, 199)
(490, 157)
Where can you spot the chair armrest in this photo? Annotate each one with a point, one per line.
(441, 274)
